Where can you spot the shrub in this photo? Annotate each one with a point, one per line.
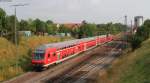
(136, 42)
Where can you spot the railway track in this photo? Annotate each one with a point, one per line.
(78, 74)
(75, 70)
(83, 72)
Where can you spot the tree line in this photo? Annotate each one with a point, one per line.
(39, 27)
(142, 34)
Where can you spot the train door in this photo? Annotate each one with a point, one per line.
(58, 56)
(84, 46)
(51, 56)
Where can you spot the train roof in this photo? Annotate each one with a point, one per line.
(64, 44)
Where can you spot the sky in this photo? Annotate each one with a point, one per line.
(75, 11)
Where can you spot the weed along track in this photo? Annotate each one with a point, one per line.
(75, 70)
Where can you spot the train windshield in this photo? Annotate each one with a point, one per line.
(38, 56)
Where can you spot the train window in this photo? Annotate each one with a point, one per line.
(38, 56)
(48, 55)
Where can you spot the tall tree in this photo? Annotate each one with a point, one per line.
(63, 29)
(147, 26)
(49, 22)
(51, 29)
(23, 25)
(87, 30)
(32, 25)
(2, 21)
(40, 26)
(10, 26)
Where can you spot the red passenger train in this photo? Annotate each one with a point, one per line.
(49, 54)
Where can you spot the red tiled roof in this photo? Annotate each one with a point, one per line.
(70, 25)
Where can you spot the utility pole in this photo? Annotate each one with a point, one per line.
(15, 35)
(131, 24)
(131, 27)
(125, 20)
(15, 25)
(125, 30)
(16, 43)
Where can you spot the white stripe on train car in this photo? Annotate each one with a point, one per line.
(69, 56)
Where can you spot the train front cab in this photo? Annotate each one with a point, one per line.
(38, 59)
(42, 59)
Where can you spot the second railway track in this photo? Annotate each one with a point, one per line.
(83, 72)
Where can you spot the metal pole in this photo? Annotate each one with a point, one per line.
(15, 29)
(125, 30)
(125, 21)
(15, 23)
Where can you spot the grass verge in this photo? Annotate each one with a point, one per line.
(133, 67)
(17, 60)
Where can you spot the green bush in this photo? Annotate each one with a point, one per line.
(136, 42)
(142, 34)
